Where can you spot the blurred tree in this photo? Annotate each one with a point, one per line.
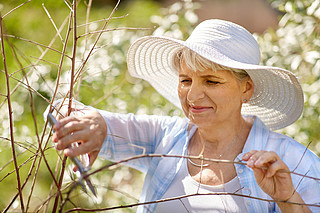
(295, 46)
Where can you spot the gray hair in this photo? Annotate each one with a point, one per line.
(196, 62)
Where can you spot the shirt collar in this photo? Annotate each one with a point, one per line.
(257, 138)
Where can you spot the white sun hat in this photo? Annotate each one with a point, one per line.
(277, 99)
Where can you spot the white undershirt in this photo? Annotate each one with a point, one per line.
(184, 184)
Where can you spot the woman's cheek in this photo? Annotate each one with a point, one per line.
(184, 104)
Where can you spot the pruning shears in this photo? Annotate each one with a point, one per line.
(81, 169)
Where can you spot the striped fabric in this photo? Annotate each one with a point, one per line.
(130, 135)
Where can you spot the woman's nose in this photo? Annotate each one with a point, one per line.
(195, 92)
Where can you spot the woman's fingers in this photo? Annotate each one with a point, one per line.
(78, 136)
(248, 155)
(66, 126)
(264, 163)
(88, 130)
(269, 171)
(83, 148)
(70, 130)
(275, 167)
(260, 158)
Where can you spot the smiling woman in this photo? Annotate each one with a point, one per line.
(213, 97)
(231, 104)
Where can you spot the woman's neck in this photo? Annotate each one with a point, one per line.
(219, 140)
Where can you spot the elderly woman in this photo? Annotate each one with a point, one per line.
(231, 104)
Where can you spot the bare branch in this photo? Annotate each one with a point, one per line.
(185, 196)
(79, 72)
(42, 55)
(28, 87)
(68, 5)
(24, 163)
(113, 29)
(16, 8)
(54, 25)
(49, 62)
(36, 43)
(302, 155)
(10, 115)
(190, 157)
(88, 23)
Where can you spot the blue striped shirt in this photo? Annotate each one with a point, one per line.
(130, 135)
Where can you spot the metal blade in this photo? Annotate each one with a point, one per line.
(91, 187)
(52, 120)
(84, 188)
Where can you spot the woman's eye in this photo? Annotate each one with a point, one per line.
(212, 82)
(185, 81)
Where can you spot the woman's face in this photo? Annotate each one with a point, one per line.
(209, 98)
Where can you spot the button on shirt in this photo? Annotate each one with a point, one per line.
(143, 134)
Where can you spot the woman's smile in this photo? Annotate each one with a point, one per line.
(199, 109)
(209, 97)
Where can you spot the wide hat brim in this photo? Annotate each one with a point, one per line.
(277, 99)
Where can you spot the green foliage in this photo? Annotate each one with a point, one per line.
(295, 46)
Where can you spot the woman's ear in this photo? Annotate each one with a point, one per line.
(248, 88)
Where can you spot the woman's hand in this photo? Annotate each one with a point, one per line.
(89, 129)
(273, 177)
(267, 167)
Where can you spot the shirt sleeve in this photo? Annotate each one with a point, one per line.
(132, 135)
(304, 162)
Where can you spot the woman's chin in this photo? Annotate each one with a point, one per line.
(200, 119)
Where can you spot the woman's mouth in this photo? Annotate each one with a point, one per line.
(199, 109)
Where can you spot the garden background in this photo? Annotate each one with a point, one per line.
(47, 44)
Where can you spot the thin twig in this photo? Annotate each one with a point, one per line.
(72, 19)
(302, 156)
(68, 5)
(10, 115)
(190, 157)
(24, 163)
(113, 29)
(28, 87)
(61, 62)
(34, 120)
(19, 70)
(36, 43)
(54, 25)
(50, 197)
(49, 62)
(22, 69)
(11, 160)
(185, 196)
(85, 44)
(16, 8)
(72, 186)
(42, 55)
(74, 52)
(101, 20)
(79, 72)
(58, 194)
(31, 169)
(87, 25)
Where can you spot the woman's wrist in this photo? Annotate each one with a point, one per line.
(294, 204)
